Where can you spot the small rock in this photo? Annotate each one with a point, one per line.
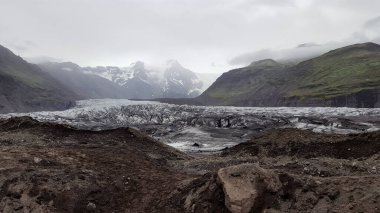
(196, 145)
(91, 206)
(333, 194)
(18, 206)
(374, 169)
(37, 160)
(235, 175)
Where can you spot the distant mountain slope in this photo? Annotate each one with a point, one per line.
(180, 82)
(24, 87)
(348, 76)
(88, 86)
(246, 85)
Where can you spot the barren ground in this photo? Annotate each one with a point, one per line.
(53, 168)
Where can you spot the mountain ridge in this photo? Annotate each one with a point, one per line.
(137, 81)
(25, 87)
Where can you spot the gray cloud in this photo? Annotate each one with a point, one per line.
(368, 32)
(373, 23)
(301, 52)
(22, 46)
(196, 32)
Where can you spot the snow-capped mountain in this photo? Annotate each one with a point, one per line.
(138, 81)
(143, 82)
(179, 80)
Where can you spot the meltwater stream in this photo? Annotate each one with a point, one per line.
(205, 128)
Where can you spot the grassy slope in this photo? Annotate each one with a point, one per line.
(341, 72)
(240, 83)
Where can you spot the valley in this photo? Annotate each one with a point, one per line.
(259, 139)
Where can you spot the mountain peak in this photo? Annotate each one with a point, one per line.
(6, 53)
(138, 65)
(366, 45)
(4, 49)
(68, 64)
(173, 64)
(310, 44)
(369, 46)
(266, 63)
(355, 49)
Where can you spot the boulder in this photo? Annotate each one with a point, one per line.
(247, 187)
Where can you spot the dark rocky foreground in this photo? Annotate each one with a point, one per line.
(48, 167)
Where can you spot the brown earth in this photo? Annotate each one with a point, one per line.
(55, 168)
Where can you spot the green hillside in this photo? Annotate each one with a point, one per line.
(340, 72)
(344, 73)
(234, 86)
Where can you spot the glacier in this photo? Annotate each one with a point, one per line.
(206, 128)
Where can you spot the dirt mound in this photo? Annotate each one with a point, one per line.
(17, 123)
(249, 188)
(51, 168)
(307, 144)
(27, 131)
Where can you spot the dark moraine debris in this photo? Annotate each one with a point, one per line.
(49, 167)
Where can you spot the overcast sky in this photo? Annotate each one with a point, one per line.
(203, 35)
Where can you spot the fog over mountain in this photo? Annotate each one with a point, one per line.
(369, 31)
(208, 36)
